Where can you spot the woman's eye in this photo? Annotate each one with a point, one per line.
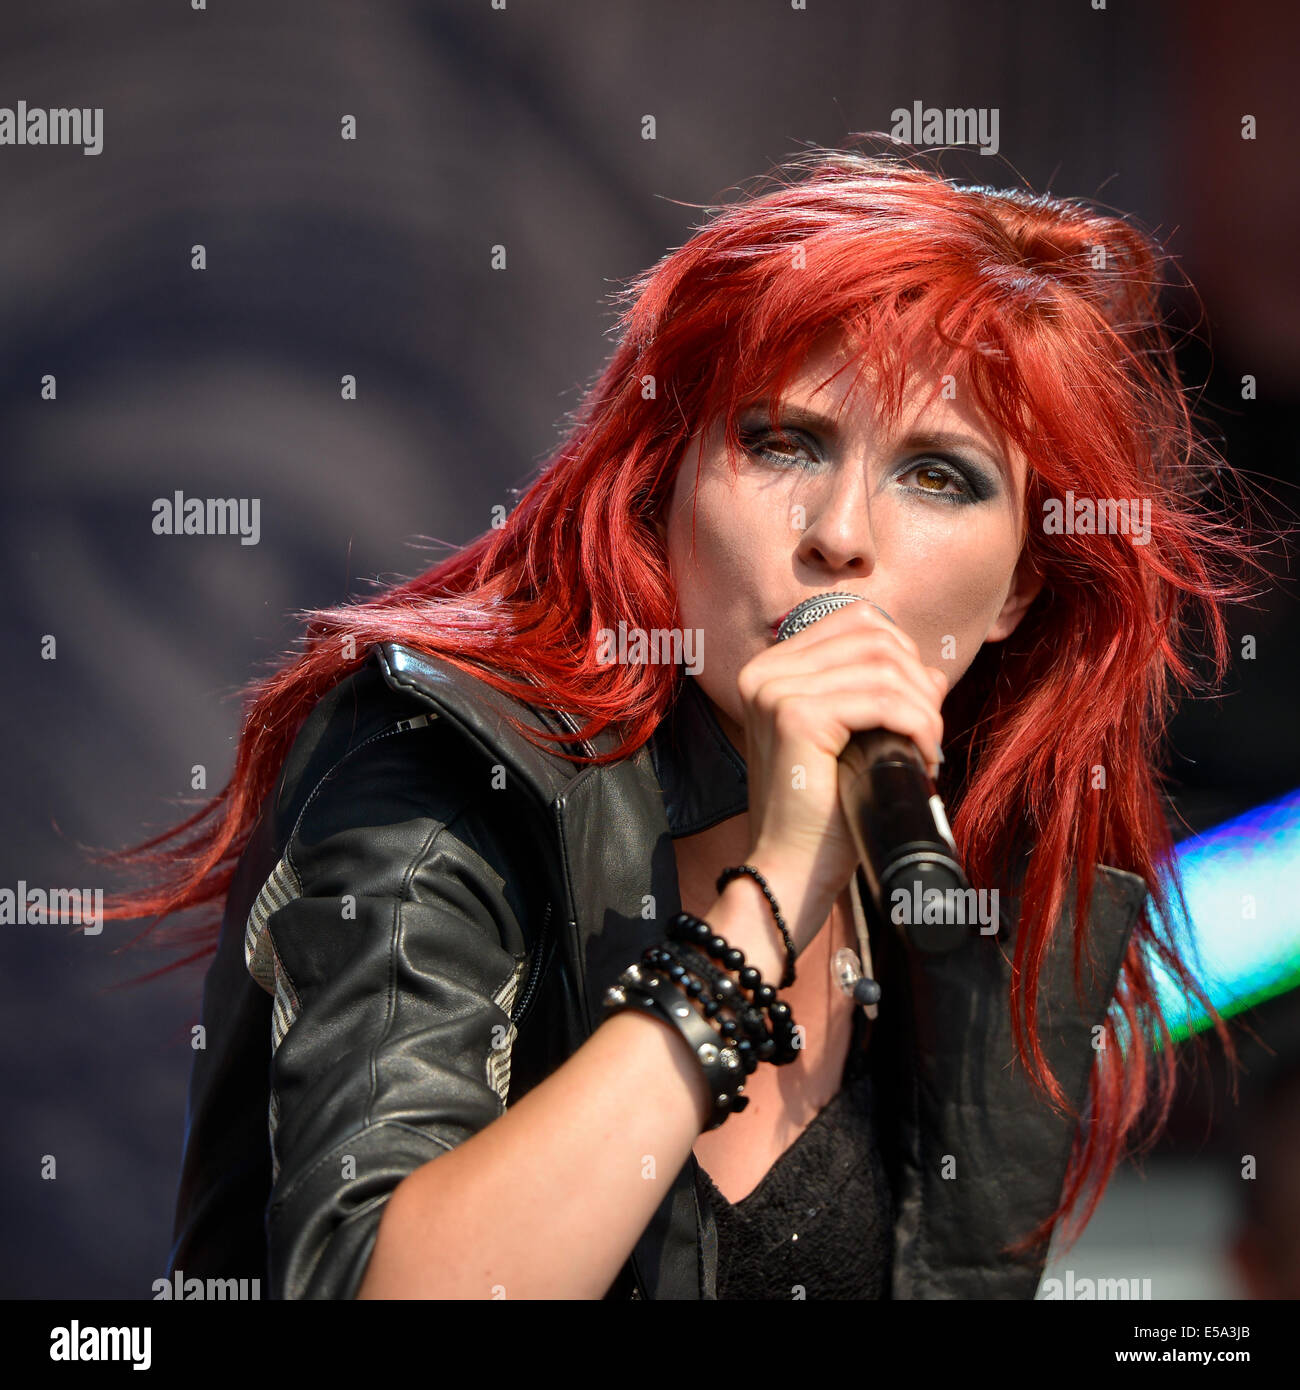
(941, 481)
(780, 449)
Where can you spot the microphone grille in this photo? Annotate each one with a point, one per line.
(804, 614)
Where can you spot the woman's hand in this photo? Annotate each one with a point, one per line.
(803, 700)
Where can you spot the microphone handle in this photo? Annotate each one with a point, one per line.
(901, 833)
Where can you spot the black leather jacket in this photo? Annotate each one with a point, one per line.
(421, 929)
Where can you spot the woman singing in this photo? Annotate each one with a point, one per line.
(488, 1014)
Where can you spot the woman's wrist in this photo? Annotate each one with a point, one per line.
(791, 884)
(742, 917)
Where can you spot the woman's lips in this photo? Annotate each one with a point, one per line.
(777, 625)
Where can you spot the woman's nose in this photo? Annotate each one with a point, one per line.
(838, 534)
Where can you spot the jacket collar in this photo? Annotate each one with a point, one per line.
(702, 776)
(978, 1158)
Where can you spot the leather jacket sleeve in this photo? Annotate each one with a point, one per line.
(390, 934)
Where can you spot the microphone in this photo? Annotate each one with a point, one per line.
(895, 816)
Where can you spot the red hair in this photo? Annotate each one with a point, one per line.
(1047, 310)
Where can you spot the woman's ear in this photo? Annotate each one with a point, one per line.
(1026, 585)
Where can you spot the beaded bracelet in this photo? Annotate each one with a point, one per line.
(651, 991)
(779, 1047)
(725, 877)
(714, 991)
(726, 993)
(657, 987)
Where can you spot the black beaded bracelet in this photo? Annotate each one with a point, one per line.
(715, 991)
(652, 991)
(692, 930)
(676, 955)
(726, 876)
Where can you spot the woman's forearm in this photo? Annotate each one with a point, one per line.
(549, 1200)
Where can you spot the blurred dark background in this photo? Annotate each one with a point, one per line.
(477, 126)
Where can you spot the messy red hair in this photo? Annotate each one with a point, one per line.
(1046, 309)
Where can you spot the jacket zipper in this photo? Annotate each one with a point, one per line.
(534, 974)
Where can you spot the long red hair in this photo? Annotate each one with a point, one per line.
(1047, 310)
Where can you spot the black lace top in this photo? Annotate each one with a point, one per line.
(821, 1222)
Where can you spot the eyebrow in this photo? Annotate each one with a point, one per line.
(806, 418)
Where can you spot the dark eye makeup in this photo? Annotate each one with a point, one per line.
(969, 481)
